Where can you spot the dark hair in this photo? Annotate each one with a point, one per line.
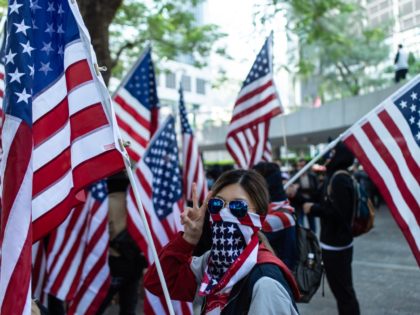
(400, 46)
(266, 168)
(252, 182)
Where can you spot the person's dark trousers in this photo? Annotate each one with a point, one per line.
(125, 283)
(400, 75)
(55, 306)
(311, 221)
(339, 275)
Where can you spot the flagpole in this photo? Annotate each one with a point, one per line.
(283, 127)
(149, 236)
(313, 161)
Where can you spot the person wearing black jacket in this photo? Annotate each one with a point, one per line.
(335, 212)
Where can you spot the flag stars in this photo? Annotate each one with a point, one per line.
(45, 67)
(413, 108)
(50, 7)
(47, 48)
(412, 120)
(403, 104)
(60, 29)
(27, 48)
(413, 96)
(9, 57)
(21, 27)
(31, 71)
(15, 76)
(60, 9)
(34, 5)
(50, 29)
(14, 7)
(23, 96)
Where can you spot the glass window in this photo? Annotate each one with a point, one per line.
(186, 83)
(170, 80)
(200, 86)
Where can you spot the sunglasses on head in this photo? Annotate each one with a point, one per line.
(238, 208)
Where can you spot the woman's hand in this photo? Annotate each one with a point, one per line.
(307, 207)
(193, 218)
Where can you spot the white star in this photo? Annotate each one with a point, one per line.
(50, 7)
(49, 29)
(60, 9)
(60, 29)
(45, 67)
(60, 51)
(23, 96)
(27, 48)
(418, 123)
(418, 135)
(14, 7)
(9, 57)
(21, 27)
(34, 5)
(413, 96)
(413, 107)
(15, 76)
(47, 48)
(231, 229)
(33, 25)
(32, 71)
(403, 104)
(412, 120)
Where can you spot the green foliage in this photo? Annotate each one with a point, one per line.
(168, 25)
(335, 44)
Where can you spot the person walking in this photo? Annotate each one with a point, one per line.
(401, 64)
(238, 275)
(336, 212)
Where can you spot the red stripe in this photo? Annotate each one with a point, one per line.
(133, 133)
(1, 76)
(254, 122)
(394, 169)
(51, 122)
(99, 298)
(187, 164)
(133, 154)
(129, 109)
(254, 108)
(400, 140)
(37, 267)
(376, 177)
(87, 120)
(52, 172)
(254, 92)
(144, 183)
(77, 73)
(1, 93)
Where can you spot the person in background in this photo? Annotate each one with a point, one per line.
(238, 275)
(126, 262)
(308, 191)
(336, 212)
(401, 64)
(279, 226)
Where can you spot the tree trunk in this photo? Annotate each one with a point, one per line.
(98, 15)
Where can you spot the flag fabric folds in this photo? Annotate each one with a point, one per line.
(193, 170)
(136, 106)
(57, 135)
(387, 143)
(257, 102)
(158, 180)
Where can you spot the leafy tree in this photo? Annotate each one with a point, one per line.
(334, 44)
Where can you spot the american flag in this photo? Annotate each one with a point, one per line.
(279, 216)
(57, 135)
(193, 170)
(387, 143)
(136, 106)
(158, 180)
(257, 102)
(39, 268)
(2, 74)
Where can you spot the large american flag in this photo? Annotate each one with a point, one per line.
(193, 170)
(387, 143)
(158, 180)
(57, 136)
(257, 102)
(136, 106)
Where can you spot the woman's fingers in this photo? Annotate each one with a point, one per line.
(194, 196)
(203, 207)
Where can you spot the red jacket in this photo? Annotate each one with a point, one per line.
(175, 259)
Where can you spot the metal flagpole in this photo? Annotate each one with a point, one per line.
(312, 162)
(149, 235)
(283, 127)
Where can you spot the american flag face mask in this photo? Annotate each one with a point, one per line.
(232, 256)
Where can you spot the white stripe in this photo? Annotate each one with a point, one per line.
(253, 116)
(134, 103)
(51, 197)
(255, 85)
(83, 96)
(243, 138)
(155, 303)
(74, 52)
(404, 128)
(132, 122)
(257, 98)
(334, 248)
(394, 150)
(276, 224)
(388, 178)
(233, 145)
(54, 146)
(16, 228)
(59, 236)
(134, 145)
(42, 268)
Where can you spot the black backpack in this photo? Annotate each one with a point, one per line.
(309, 267)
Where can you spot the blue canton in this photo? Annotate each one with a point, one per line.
(228, 243)
(99, 190)
(409, 106)
(185, 126)
(162, 159)
(37, 33)
(142, 82)
(261, 66)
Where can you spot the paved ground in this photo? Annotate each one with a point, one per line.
(386, 276)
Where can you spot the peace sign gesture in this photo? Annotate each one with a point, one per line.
(193, 218)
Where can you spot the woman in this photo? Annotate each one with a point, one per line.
(238, 275)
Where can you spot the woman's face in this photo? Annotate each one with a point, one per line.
(236, 192)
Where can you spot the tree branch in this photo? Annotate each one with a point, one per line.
(127, 45)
